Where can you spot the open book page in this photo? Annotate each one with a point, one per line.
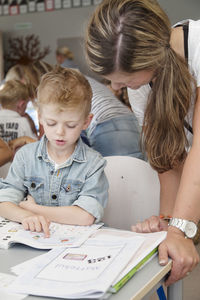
(151, 242)
(19, 269)
(112, 236)
(84, 272)
(60, 235)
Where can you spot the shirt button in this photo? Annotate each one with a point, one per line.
(51, 172)
(68, 188)
(54, 197)
(33, 185)
(40, 158)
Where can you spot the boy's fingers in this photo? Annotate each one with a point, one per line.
(31, 225)
(38, 227)
(133, 228)
(25, 225)
(45, 227)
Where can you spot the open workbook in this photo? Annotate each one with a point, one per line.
(143, 255)
(60, 235)
(102, 264)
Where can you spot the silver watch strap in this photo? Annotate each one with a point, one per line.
(178, 223)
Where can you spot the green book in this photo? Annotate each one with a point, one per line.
(117, 286)
(144, 254)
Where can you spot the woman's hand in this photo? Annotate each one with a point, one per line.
(182, 252)
(151, 224)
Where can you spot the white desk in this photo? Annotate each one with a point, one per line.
(144, 282)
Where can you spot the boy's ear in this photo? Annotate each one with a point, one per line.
(87, 121)
(21, 106)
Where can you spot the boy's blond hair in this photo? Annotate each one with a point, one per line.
(66, 87)
(11, 92)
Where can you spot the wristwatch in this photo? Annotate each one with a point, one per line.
(188, 227)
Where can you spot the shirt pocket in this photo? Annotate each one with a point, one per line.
(69, 191)
(35, 188)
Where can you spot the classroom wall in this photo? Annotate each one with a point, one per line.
(181, 9)
(52, 27)
(49, 26)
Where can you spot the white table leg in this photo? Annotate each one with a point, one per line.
(175, 291)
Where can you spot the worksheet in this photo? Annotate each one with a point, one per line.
(83, 272)
(60, 235)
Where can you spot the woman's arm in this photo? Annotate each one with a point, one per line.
(6, 154)
(187, 206)
(169, 184)
(188, 198)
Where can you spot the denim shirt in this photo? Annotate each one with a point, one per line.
(79, 181)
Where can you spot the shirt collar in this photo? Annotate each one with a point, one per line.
(79, 154)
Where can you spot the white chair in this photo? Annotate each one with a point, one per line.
(134, 191)
(134, 194)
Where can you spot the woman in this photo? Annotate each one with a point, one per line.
(131, 43)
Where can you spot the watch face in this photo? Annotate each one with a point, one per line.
(190, 229)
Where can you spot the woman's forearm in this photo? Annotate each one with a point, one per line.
(187, 204)
(169, 184)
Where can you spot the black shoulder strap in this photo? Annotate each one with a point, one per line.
(188, 127)
(185, 33)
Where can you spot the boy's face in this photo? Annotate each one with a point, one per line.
(63, 128)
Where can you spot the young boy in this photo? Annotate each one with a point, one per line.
(14, 96)
(64, 177)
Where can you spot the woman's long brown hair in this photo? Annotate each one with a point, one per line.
(134, 35)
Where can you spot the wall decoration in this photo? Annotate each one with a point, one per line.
(25, 49)
(13, 8)
(18, 7)
(23, 7)
(31, 6)
(5, 7)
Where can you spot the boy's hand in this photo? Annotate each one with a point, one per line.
(28, 204)
(37, 223)
(151, 224)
